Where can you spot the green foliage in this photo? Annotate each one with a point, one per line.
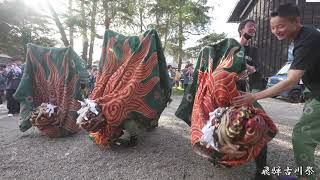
(175, 21)
(207, 40)
(177, 91)
(212, 38)
(172, 50)
(194, 17)
(22, 25)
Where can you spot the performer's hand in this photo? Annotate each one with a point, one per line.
(251, 69)
(232, 151)
(244, 100)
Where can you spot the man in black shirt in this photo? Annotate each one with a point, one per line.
(286, 24)
(247, 29)
(256, 82)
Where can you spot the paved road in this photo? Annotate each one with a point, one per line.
(162, 154)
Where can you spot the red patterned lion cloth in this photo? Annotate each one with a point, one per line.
(50, 90)
(214, 121)
(132, 87)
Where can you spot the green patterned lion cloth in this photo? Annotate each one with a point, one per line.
(50, 90)
(132, 87)
(207, 106)
(214, 53)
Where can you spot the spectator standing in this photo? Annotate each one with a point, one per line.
(171, 75)
(13, 74)
(177, 77)
(187, 76)
(2, 85)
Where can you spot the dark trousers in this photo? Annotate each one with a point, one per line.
(261, 159)
(177, 83)
(242, 85)
(1, 96)
(12, 105)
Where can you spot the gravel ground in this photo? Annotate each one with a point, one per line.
(164, 153)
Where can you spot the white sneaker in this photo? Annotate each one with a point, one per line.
(10, 115)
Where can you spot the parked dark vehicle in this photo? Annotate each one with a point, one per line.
(294, 94)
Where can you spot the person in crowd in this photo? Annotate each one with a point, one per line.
(2, 85)
(247, 30)
(187, 75)
(172, 74)
(13, 74)
(177, 78)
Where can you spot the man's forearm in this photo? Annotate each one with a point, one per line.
(275, 90)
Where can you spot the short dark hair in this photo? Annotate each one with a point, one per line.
(287, 10)
(243, 24)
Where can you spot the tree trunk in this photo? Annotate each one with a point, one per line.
(71, 27)
(106, 12)
(93, 30)
(26, 38)
(84, 33)
(180, 40)
(166, 35)
(141, 20)
(59, 25)
(141, 15)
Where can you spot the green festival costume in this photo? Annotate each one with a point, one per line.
(132, 88)
(53, 76)
(306, 137)
(207, 106)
